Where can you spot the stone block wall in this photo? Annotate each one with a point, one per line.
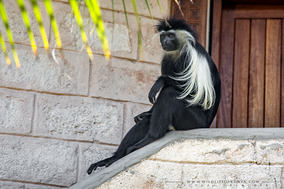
(58, 117)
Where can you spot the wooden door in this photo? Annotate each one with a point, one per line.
(250, 53)
(195, 13)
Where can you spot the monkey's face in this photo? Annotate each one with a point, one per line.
(169, 40)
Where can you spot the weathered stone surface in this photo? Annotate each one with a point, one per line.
(38, 160)
(151, 42)
(270, 152)
(41, 73)
(147, 174)
(122, 79)
(11, 185)
(120, 43)
(208, 151)
(17, 26)
(264, 173)
(155, 174)
(79, 118)
(133, 110)
(16, 111)
(91, 153)
(37, 186)
(142, 7)
(16, 185)
(231, 176)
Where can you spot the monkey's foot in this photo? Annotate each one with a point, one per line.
(107, 162)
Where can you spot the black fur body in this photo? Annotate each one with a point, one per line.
(168, 109)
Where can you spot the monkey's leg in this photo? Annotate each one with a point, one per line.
(135, 134)
(161, 118)
(140, 116)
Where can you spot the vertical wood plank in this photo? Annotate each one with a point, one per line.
(272, 73)
(226, 69)
(216, 31)
(241, 70)
(215, 43)
(282, 77)
(256, 78)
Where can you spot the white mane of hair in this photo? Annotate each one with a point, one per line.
(197, 75)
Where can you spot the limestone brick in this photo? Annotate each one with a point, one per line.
(16, 111)
(122, 43)
(208, 151)
(122, 79)
(17, 26)
(79, 118)
(69, 75)
(38, 160)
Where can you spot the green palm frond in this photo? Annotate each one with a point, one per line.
(139, 28)
(28, 25)
(77, 14)
(4, 17)
(95, 13)
(148, 7)
(3, 46)
(49, 10)
(41, 27)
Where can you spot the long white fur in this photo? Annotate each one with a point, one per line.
(197, 75)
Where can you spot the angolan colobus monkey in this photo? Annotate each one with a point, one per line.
(190, 91)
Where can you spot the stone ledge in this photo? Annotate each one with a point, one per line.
(264, 146)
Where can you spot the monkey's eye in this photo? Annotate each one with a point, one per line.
(162, 36)
(171, 35)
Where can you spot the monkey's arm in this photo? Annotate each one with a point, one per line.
(161, 82)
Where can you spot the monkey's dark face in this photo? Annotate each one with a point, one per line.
(169, 40)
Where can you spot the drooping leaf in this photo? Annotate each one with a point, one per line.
(163, 13)
(40, 23)
(125, 13)
(4, 17)
(139, 28)
(95, 13)
(28, 25)
(3, 46)
(161, 8)
(49, 10)
(77, 14)
(179, 7)
(148, 6)
(112, 5)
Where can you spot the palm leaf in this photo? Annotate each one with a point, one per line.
(161, 8)
(180, 7)
(41, 27)
(3, 46)
(28, 25)
(148, 6)
(139, 28)
(77, 14)
(125, 13)
(95, 13)
(49, 10)
(4, 17)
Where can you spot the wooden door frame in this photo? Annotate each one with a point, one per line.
(228, 17)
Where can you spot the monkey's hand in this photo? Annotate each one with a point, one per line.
(155, 89)
(141, 116)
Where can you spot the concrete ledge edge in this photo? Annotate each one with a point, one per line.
(100, 177)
